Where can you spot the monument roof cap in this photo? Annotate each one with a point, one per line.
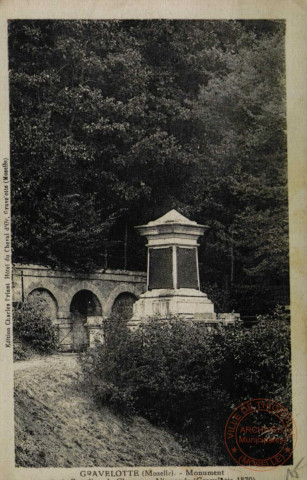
(172, 217)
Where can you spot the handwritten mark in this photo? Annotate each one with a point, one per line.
(294, 473)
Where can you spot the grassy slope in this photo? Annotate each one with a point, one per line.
(58, 425)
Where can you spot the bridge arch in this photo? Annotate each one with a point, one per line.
(84, 285)
(123, 305)
(48, 298)
(36, 285)
(120, 289)
(85, 301)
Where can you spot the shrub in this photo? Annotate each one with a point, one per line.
(259, 359)
(22, 350)
(182, 375)
(33, 329)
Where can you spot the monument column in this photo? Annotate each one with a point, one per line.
(173, 286)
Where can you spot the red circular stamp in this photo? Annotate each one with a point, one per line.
(260, 433)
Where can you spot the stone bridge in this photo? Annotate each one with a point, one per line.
(78, 302)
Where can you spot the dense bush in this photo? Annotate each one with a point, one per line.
(33, 329)
(185, 376)
(22, 350)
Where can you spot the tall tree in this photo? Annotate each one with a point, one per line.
(244, 115)
(115, 122)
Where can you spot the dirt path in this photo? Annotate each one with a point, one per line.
(67, 360)
(57, 423)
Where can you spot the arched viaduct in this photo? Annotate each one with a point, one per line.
(78, 302)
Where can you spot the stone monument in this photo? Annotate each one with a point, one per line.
(172, 271)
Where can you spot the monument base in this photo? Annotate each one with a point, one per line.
(188, 303)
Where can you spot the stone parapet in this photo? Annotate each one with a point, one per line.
(58, 288)
(228, 318)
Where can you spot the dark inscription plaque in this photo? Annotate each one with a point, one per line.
(187, 268)
(160, 268)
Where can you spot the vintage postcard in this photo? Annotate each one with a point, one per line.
(153, 230)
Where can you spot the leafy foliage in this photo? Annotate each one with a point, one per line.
(33, 329)
(113, 123)
(22, 351)
(186, 376)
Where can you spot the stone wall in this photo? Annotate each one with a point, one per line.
(58, 288)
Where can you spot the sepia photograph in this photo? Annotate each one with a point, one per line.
(179, 126)
(146, 205)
